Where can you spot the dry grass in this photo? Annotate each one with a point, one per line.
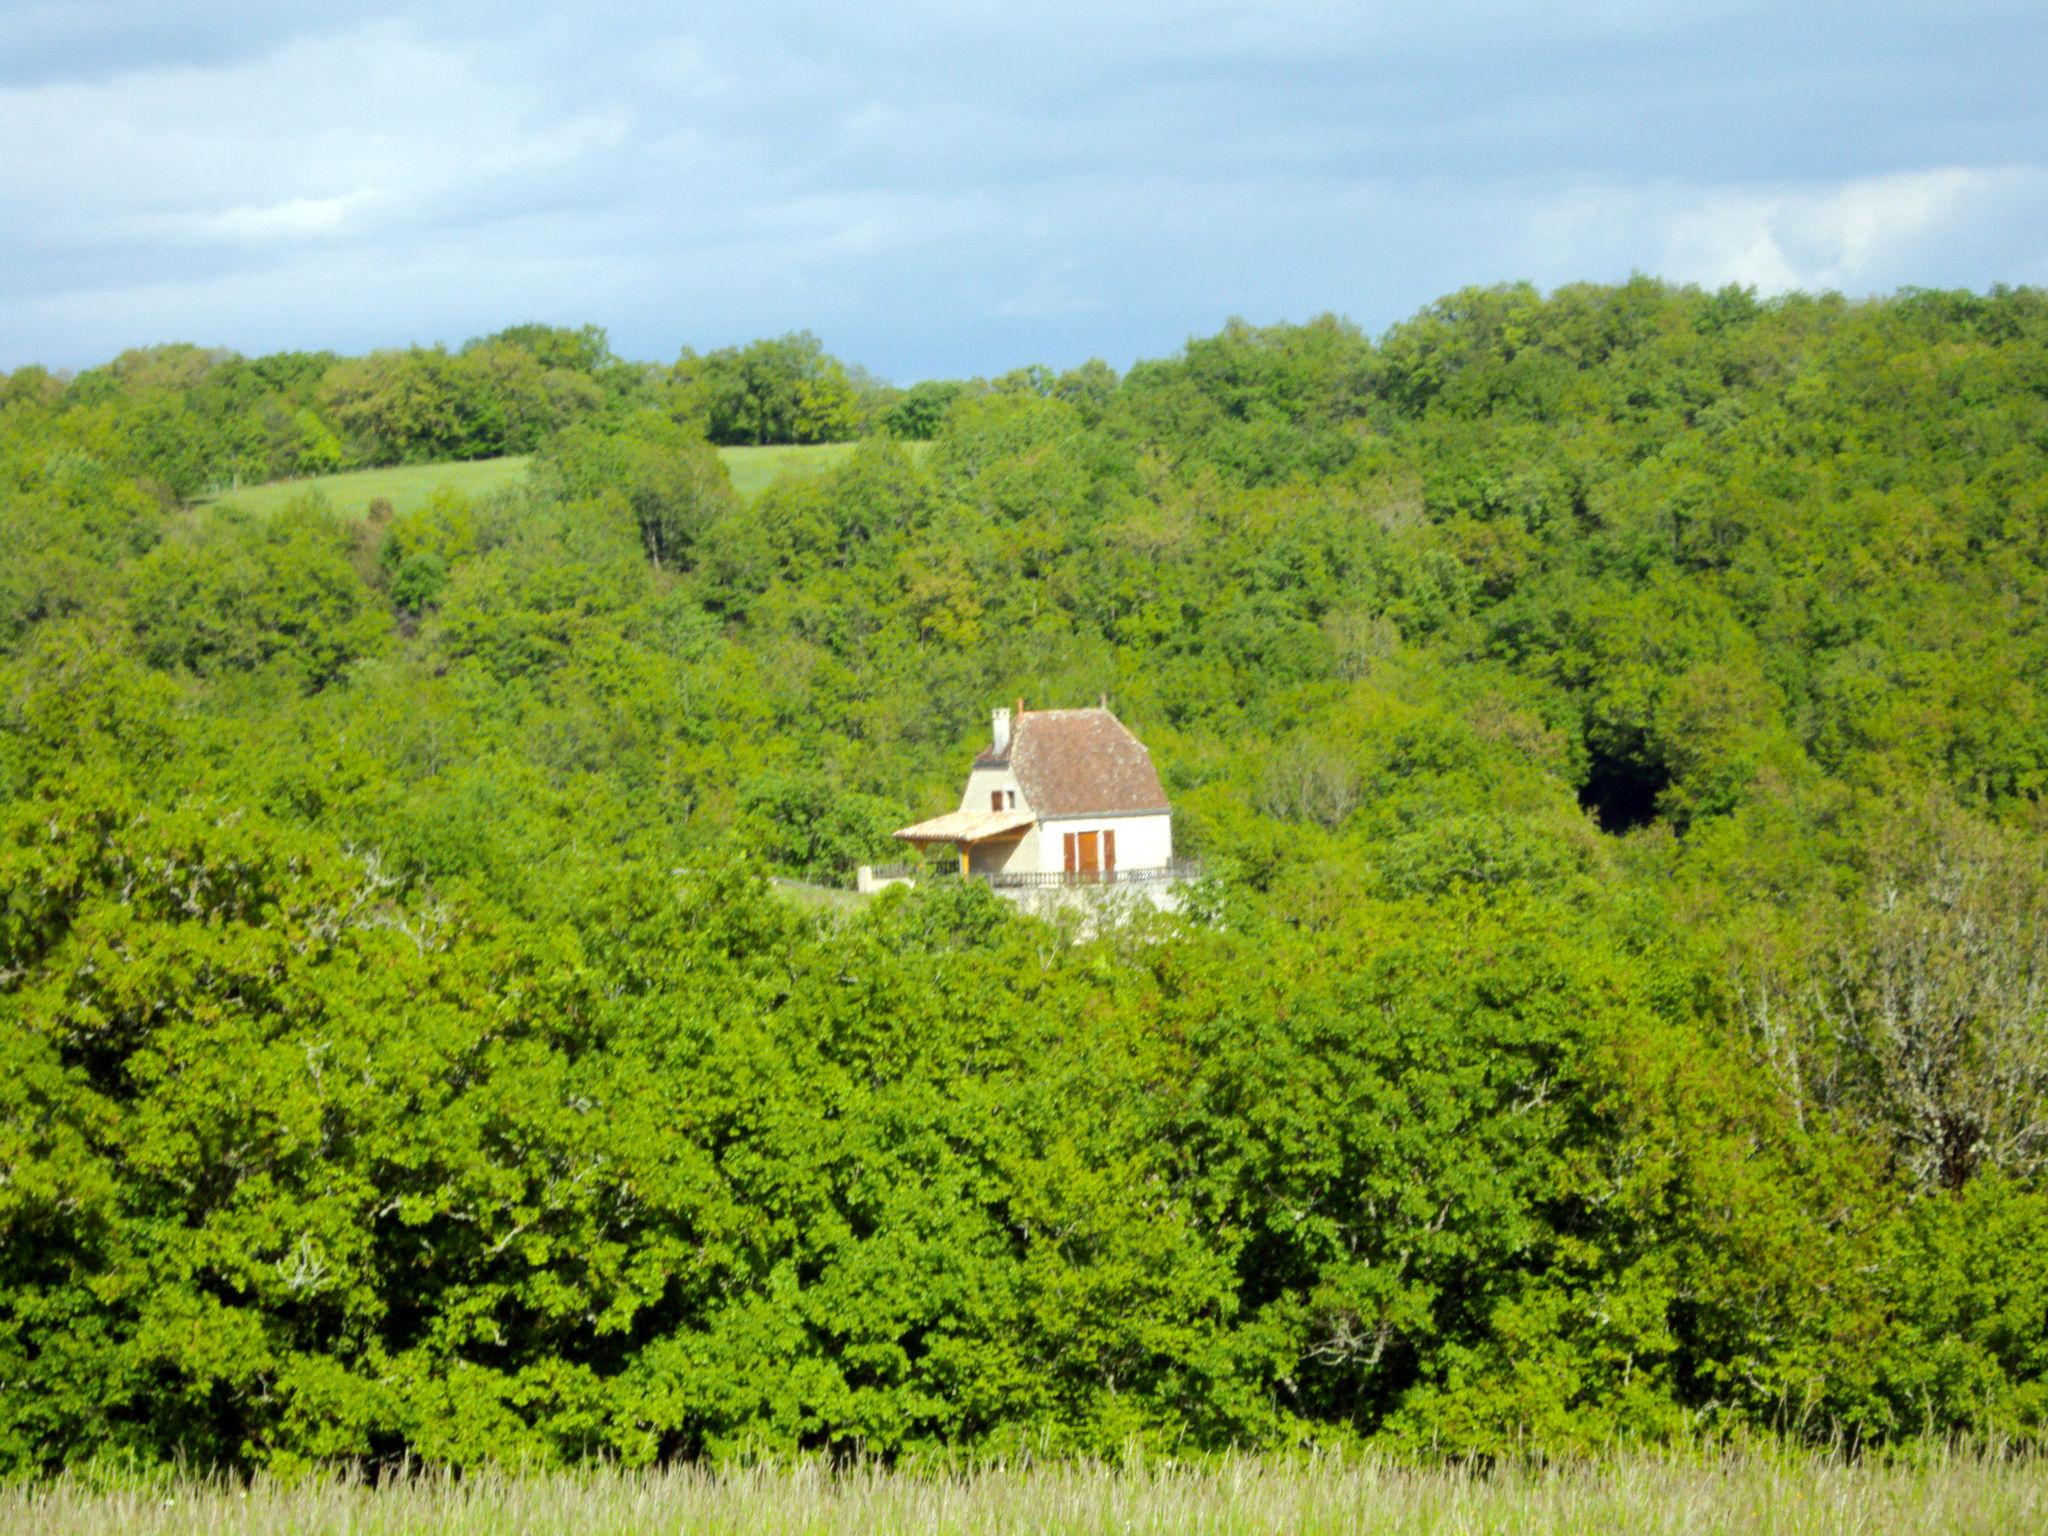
(1700, 1496)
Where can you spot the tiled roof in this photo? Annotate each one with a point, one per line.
(1081, 762)
(966, 827)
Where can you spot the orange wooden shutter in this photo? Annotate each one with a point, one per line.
(995, 799)
(1070, 853)
(1108, 848)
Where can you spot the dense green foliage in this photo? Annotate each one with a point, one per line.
(188, 421)
(1617, 722)
(784, 390)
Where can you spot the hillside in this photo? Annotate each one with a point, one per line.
(407, 487)
(1617, 720)
(350, 492)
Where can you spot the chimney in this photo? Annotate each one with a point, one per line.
(1000, 734)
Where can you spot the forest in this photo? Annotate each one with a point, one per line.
(1614, 721)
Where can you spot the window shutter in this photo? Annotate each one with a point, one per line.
(1108, 849)
(1070, 853)
(995, 799)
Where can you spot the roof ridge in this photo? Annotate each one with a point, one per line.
(1083, 761)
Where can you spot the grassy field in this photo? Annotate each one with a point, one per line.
(1643, 1496)
(753, 470)
(407, 486)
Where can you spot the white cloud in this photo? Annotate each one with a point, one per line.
(292, 221)
(328, 136)
(1862, 235)
(944, 187)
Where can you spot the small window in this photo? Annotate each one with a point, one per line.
(995, 799)
(1012, 797)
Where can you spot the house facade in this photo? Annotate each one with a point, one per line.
(1059, 797)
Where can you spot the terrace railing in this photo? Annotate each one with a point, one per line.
(1047, 880)
(913, 870)
(1039, 880)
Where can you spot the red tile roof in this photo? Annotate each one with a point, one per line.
(1080, 762)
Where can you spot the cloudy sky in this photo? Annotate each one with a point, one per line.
(962, 187)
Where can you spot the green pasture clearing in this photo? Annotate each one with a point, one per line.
(1645, 1495)
(407, 486)
(753, 470)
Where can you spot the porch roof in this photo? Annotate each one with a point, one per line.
(967, 827)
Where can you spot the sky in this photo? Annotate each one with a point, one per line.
(962, 188)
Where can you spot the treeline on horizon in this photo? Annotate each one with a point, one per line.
(1613, 719)
(194, 421)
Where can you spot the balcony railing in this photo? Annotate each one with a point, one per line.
(913, 870)
(1043, 880)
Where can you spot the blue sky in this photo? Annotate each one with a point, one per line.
(957, 188)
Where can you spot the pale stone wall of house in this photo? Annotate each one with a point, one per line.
(1024, 853)
(982, 780)
(995, 857)
(1013, 854)
(1142, 842)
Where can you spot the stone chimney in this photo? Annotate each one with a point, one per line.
(1000, 734)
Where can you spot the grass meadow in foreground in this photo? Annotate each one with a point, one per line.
(1697, 1495)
